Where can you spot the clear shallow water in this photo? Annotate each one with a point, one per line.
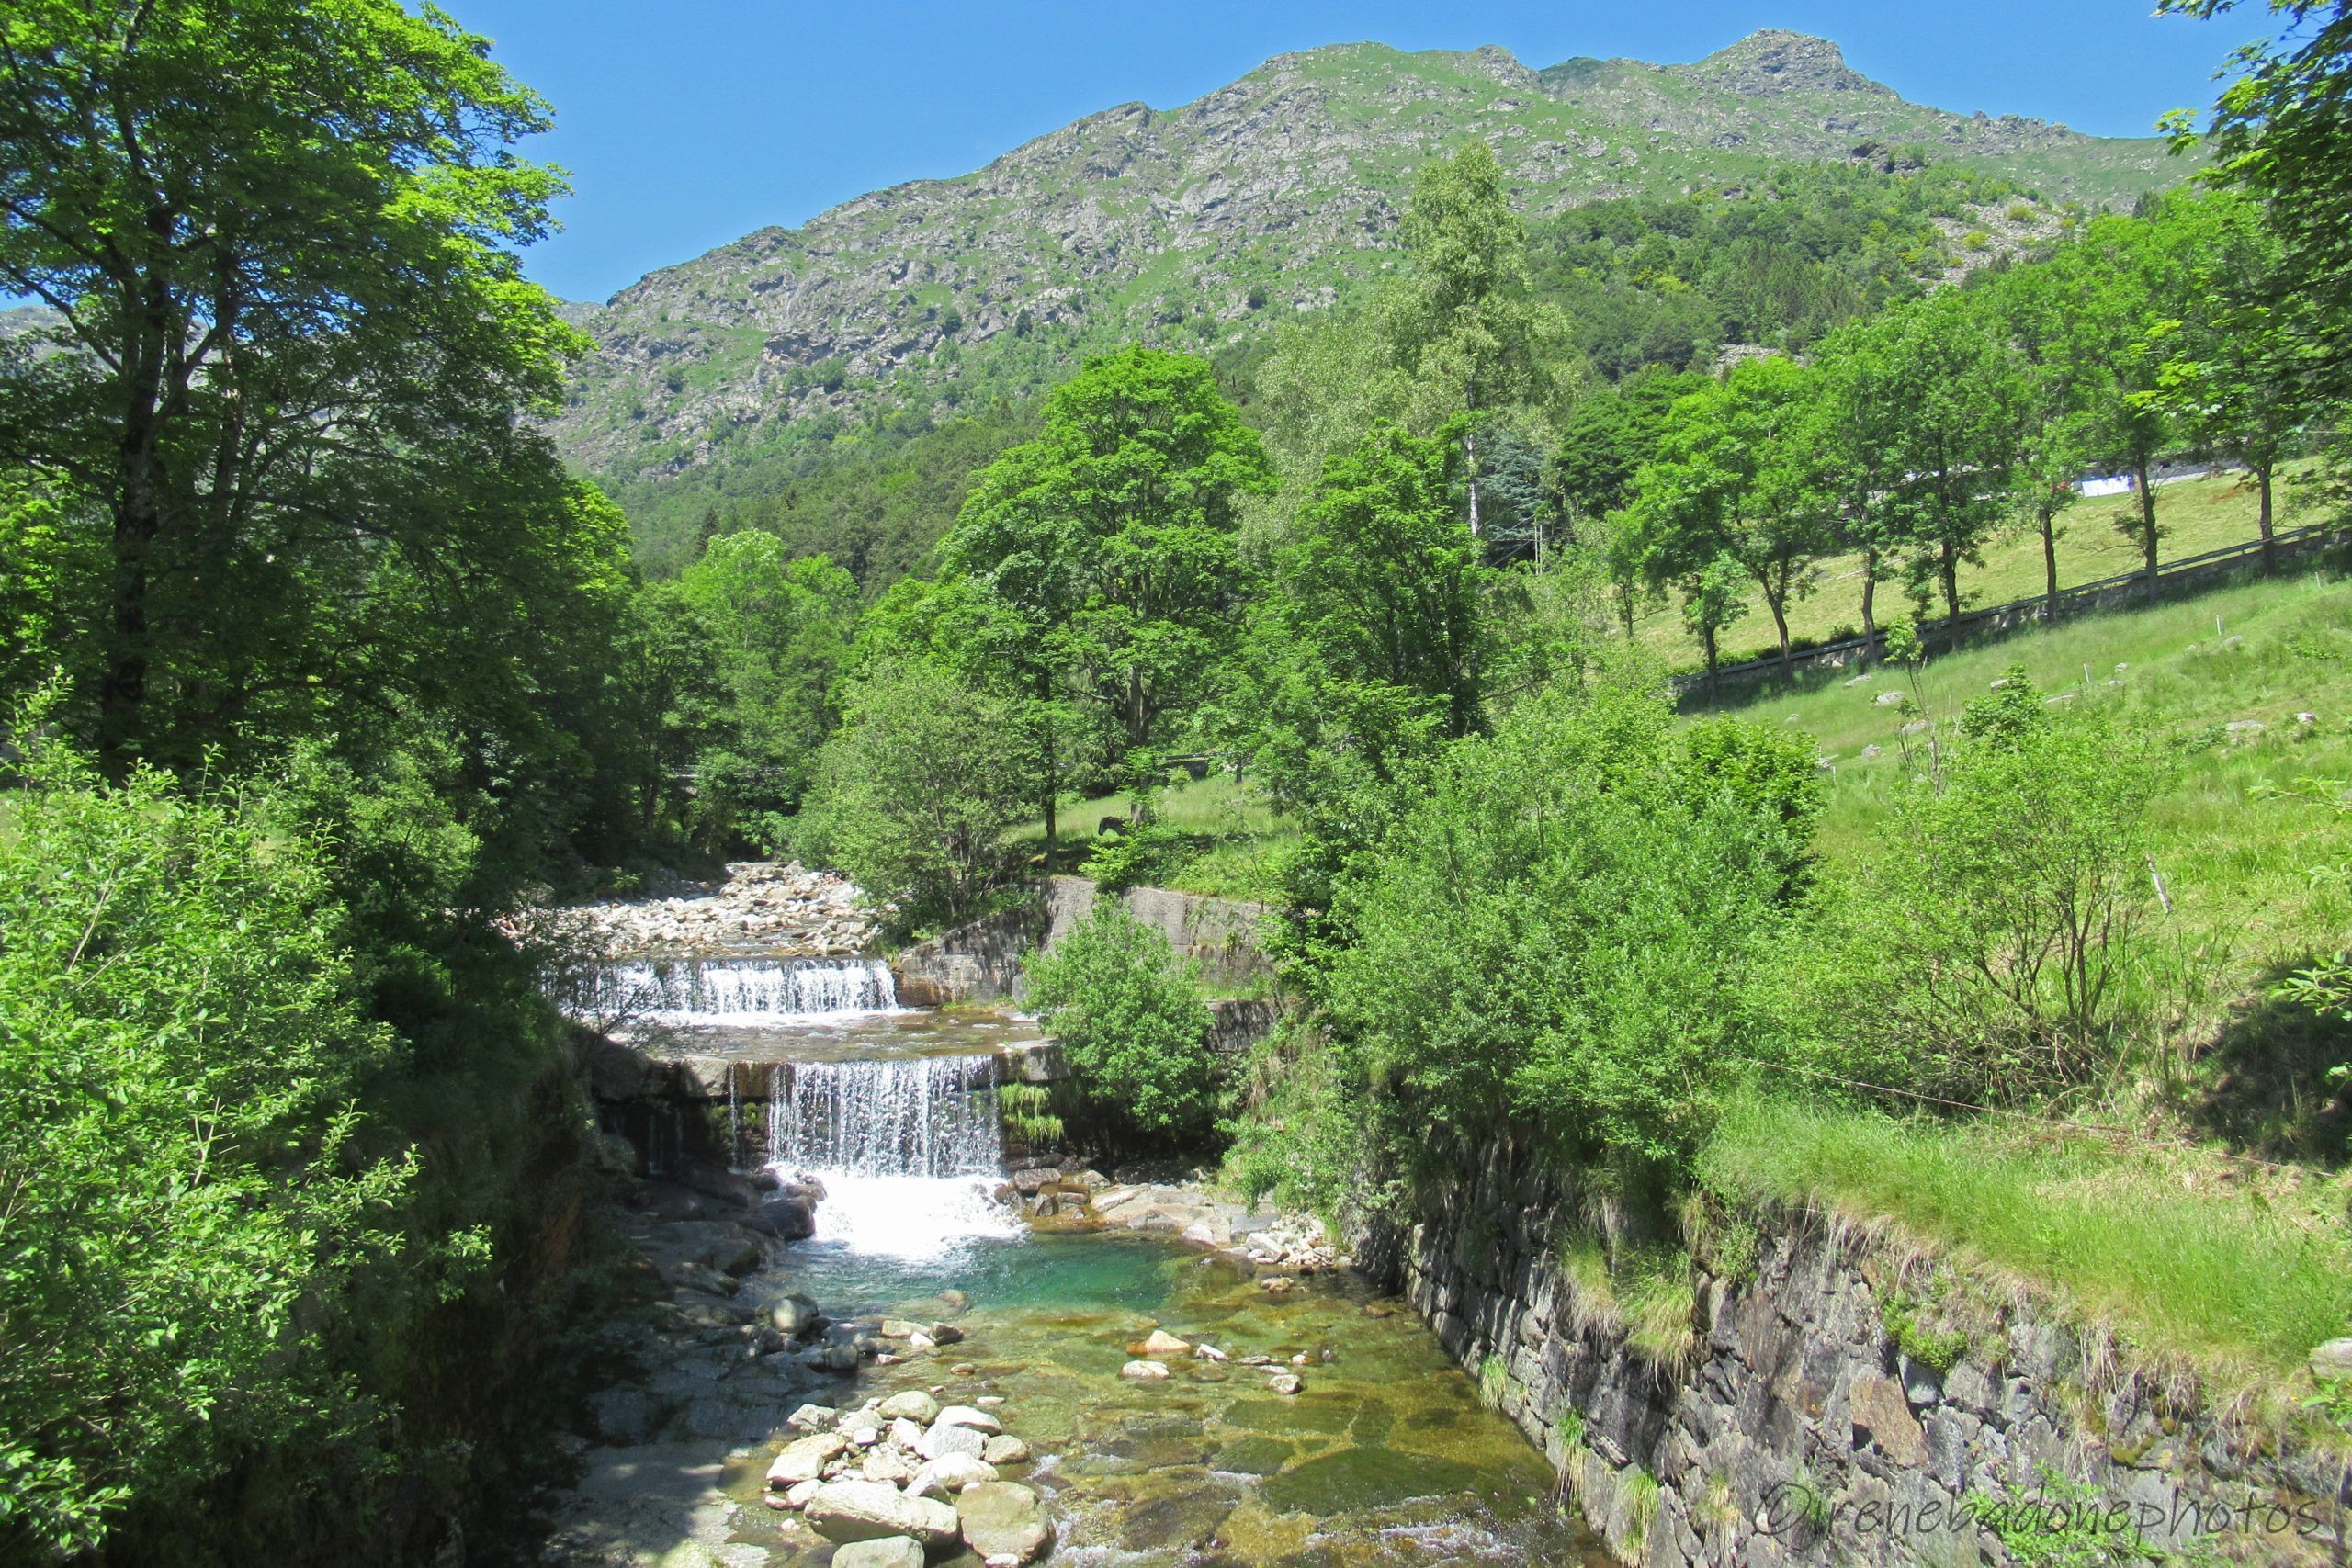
(1387, 1458)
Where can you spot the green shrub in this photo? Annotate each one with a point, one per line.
(1127, 1011)
(1493, 1379)
(1302, 1142)
(1559, 929)
(2062, 1524)
(1147, 855)
(1029, 1115)
(1641, 1508)
(179, 1050)
(1979, 950)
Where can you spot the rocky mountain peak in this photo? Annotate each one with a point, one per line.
(1773, 61)
(1204, 225)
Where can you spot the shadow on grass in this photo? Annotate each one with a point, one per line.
(2262, 1086)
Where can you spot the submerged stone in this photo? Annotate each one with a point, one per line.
(1174, 1523)
(1252, 1456)
(913, 1405)
(1350, 1479)
(1329, 1415)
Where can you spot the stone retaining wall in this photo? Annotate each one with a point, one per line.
(982, 961)
(1797, 1386)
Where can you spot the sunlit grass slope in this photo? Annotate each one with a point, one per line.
(2192, 515)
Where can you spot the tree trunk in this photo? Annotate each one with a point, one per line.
(138, 522)
(2049, 561)
(1049, 755)
(1778, 605)
(2262, 518)
(1870, 601)
(1470, 473)
(2147, 517)
(1947, 563)
(1715, 680)
(1625, 608)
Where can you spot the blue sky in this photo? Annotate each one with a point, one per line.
(688, 124)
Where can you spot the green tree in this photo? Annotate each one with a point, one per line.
(1602, 885)
(1927, 392)
(1461, 324)
(776, 629)
(915, 798)
(2031, 310)
(1127, 1011)
(990, 645)
(1611, 433)
(1109, 544)
(1741, 476)
(1369, 642)
(296, 341)
(2234, 366)
(2127, 291)
(676, 695)
(2282, 132)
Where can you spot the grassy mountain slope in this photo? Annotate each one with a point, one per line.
(1202, 225)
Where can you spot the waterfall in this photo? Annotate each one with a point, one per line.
(908, 1149)
(931, 1116)
(740, 991)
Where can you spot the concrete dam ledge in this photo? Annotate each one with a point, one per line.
(622, 1070)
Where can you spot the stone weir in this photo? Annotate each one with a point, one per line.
(1842, 1399)
(745, 1111)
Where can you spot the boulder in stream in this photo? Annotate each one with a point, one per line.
(888, 1551)
(804, 1459)
(796, 1317)
(946, 1437)
(884, 1462)
(869, 1510)
(950, 1474)
(786, 1219)
(965, 1416)
(912, 1405)
(1001, 1518)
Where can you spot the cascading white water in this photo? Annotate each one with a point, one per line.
(908, 1149)
(742, 992)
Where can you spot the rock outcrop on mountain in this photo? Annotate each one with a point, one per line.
(1200, 225)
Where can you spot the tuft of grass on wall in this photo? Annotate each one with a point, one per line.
(1660, 1306)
